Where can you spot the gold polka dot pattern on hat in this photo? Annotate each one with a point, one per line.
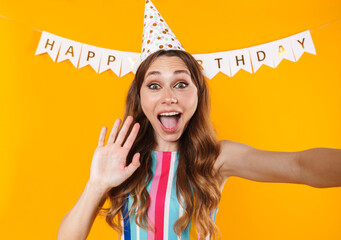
(156, 33)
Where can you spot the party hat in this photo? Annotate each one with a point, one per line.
(156, 33)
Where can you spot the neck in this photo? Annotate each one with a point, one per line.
(166, 149)
(167, 146)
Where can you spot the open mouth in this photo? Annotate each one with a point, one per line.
(169, 120)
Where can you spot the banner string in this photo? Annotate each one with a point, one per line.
(19, 23)
(311, 30)
(325, 25)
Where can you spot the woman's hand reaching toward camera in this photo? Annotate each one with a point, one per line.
(108, 167)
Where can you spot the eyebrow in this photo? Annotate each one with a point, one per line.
(175, 72)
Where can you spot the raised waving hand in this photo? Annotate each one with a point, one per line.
(108, 167)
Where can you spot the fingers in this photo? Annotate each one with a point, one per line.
(131, 138)
(114, 131)
(124, 130)
(135, 163)
(102, 137)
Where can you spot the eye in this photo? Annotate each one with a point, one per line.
(154, 86)
(181, 85)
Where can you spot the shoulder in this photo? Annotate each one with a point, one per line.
(229, 145)
(231, 153)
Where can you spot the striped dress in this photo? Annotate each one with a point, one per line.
(164, 209)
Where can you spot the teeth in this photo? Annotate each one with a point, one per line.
(169, 114)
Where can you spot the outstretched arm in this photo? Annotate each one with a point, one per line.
(321, 167)
(316, 167)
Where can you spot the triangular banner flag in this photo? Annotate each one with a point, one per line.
(111, 59)
(70, 50)
(282, 50)
(49, 43)
(240, 59)
(91, 55)
(130, 61)
(261, 54)
(302, 42)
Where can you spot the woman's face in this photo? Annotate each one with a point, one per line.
(169, 99)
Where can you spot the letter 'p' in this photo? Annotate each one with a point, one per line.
(111, 58)
(90, 55)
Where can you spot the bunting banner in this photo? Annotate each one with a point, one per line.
(228, 62)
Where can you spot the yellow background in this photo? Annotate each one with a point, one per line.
(52, 113)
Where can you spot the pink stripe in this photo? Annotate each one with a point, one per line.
(161, 195)
(153, 191)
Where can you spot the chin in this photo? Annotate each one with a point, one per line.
(173, 138)
(168, 137)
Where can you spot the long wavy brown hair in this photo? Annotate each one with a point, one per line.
(198, 184)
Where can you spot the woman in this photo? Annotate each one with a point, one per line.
(167, 117)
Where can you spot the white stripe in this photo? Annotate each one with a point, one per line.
(181, 212)
(137, 232)
(122, 224)
(168, 193)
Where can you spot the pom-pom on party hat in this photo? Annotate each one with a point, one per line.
(156, 33)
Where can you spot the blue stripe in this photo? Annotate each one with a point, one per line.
(132, 221)
(215, 214)
(186, 233)
(126, 221)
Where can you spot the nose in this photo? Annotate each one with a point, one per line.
(169, 97)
